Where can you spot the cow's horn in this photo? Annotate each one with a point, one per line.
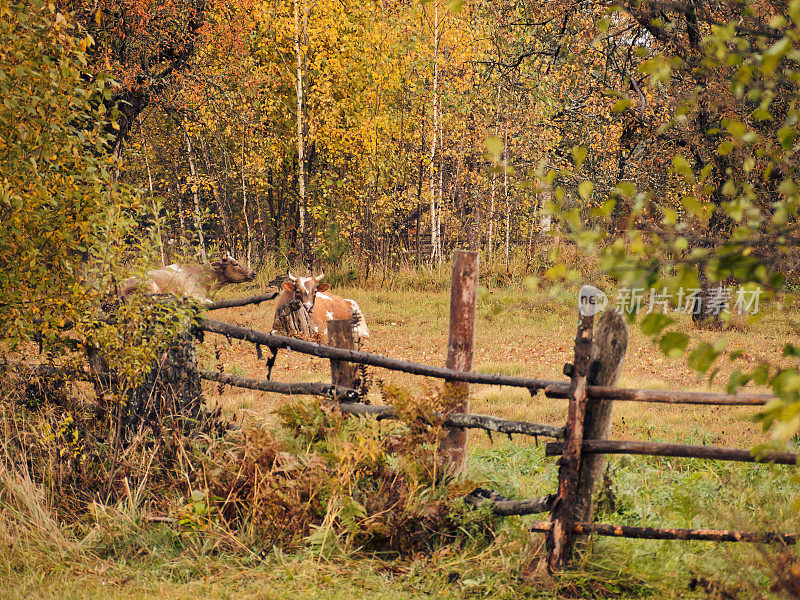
(319, 278)
(292, 277)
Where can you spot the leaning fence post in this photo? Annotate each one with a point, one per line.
(340, 335)
(463, 298)
(559, 538)
(608, 358)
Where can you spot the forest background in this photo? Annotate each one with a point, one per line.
(395, 132)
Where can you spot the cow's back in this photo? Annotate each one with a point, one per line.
(329, 307)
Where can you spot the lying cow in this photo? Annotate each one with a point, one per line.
(195, 281)
(321, 307)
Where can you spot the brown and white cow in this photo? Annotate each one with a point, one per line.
(321, 306)
(195, 281)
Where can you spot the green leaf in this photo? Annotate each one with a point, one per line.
(682, 166)
(791, 350)
(456, 6)
(585, 189)
(654, 323)
(701, 358)
(578, 156)
(773, 55)
(494, 147)
(674, 343)
(737, 380)
(621, 105)
(786, 383)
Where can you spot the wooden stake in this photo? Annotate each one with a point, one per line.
(608, 357)
(340, 335)
(559, 538)
(463, 298)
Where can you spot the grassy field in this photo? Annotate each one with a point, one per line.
(518, 332)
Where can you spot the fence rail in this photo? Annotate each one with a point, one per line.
(274, 341)
(278, 387)
(675, 450)
(257, 299)
(655, 533)
(551, 388)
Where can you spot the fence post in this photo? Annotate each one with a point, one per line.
(463, 297)
(608, 358)
(340, 335)
(559, 538)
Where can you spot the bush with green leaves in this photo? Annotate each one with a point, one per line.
(733, 81)
(61, 210)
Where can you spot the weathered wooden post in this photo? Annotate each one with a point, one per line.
(559, 537)
(608, 358)
(340, 335)
(463, 297)
(293, 319)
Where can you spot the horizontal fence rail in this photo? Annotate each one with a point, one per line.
(552, 389)
(279, 387)
(461, 420)
(271, 295)
(667, 397)
(509, 508)
(464, 421)
(654, 533)
(674, 450)
(365, 358)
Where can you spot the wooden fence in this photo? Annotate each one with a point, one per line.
(582, 442)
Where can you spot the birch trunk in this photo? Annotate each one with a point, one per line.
(156, 216)
(435, 102)
(299, 34)
(197, 220)
(494, 173)
(244, 207)
(440, 249)
(505, 191)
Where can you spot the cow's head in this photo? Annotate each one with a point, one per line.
(305, 288)
(229, 270)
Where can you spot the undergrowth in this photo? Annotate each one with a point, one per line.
(323, 501)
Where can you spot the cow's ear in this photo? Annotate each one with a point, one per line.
(218, 265)
(288, 286)
(323, 287)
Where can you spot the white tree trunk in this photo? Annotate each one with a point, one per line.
(439, 212)
(505, 191)
(434, 221)
(244, 206)
(198, 223)
(299, 35)
(494, 173)
(156, 216)
(545, 220)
